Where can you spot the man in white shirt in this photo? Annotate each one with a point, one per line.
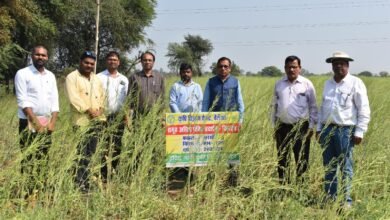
(115, 86)
(294, 116)
(343, 119)
(37, 98)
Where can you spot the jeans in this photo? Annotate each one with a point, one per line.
(337, 143)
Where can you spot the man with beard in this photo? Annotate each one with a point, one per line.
(185, 96)
(86, 96)
(37, 97)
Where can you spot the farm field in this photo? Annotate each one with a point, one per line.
(141, 193)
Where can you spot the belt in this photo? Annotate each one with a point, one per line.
(337, 125)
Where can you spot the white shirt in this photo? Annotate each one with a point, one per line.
(185, 98)
(115, 89)
(294, 101)
(37, 91)
(345, 103)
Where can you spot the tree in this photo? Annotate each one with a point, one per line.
(22, 25)
(121, 27)
(191, 51)
(384, 74)
(305, 72)
(365, 73)
(271, 71)
(67, 30)
(235, 69)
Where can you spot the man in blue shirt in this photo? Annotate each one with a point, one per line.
(223, 91)
(185, 95)
(223, 94)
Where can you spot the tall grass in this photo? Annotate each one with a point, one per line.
(138, 188)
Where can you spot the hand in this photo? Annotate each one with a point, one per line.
(128, 122)
(39, 128)
(50, 126)
(93, 113)
(357, 140)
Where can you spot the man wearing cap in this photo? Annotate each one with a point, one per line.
(343, 119)
(86, 96)
(115, 86)
(294, 117)
(37, 97)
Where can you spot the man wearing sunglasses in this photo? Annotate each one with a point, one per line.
(223, 94)
(223, 91)
(86, 97)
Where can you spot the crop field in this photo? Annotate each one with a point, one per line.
(137, 189)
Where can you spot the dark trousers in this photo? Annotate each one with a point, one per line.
(292, 136)
(114, 133)
(34, 163)
(85, 150)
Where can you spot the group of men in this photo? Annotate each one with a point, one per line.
(98, 101)
(341, 121)
(109, 99)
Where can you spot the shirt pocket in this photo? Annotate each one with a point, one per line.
(345, 97)
(156, 87)
(302, 100)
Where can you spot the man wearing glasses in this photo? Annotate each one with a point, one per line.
(223, 94)
(86, 97)
(343, 119)
(223, 91)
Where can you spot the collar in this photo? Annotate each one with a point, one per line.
(189, 84)
(144, 75)
(107, 73)
(347, 78)
(227, 78)
(298, 80)
(34, 70)
(92, 75)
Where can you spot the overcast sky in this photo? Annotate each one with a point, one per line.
(255, 34)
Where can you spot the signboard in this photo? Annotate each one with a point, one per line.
(196, 139)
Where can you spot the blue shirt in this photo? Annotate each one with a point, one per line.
(223, 96)
(185, 98)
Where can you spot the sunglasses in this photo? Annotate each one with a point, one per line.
(223, 66)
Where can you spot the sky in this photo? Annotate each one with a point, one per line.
(260, 33)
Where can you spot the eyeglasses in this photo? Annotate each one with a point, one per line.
(223, 66)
